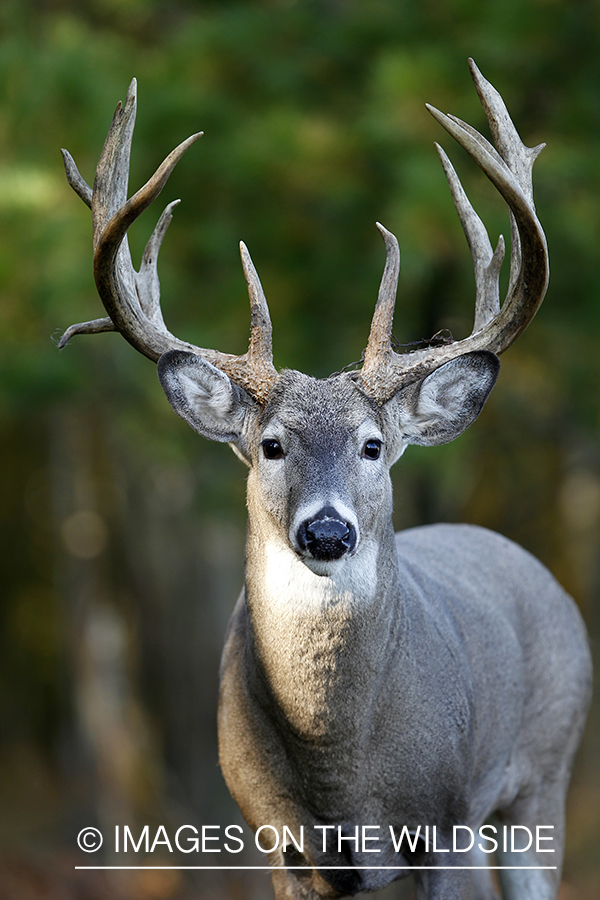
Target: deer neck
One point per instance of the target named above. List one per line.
(320, 641)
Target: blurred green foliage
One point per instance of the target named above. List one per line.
(315, 127)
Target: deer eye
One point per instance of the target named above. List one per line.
(372, 449)
(272, 449)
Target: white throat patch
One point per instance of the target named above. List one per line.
(289, 582)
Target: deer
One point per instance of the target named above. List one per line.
(431, 680)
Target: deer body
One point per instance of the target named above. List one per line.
(408, 685)
(440, 726)
(432, 679)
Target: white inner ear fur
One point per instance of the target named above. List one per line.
(212, 395)
(204, 396)
(444, 395)
(439, 408)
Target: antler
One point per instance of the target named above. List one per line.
(132, 299)
(509, 168)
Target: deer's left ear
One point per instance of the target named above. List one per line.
(205, 397)
(441, 406)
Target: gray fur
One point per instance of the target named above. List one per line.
(436, 677)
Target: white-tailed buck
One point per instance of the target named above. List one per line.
(440, 677)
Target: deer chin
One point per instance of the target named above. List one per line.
(325, 568)
(353, 575)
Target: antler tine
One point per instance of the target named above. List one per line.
(261, 330)
(79, 185)
(486, 263)
(148, 284)
(509, 168)
(379, 346)
(254, 371)
(132, 299)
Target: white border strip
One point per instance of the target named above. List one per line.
(306, 868)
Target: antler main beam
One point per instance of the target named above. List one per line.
(132, 299)
(509, 168)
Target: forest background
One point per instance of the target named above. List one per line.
(121, 531)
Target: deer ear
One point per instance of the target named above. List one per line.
(441, 406)
(204, 396)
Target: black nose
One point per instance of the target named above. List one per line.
(326, 536)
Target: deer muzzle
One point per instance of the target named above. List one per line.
(326, 536)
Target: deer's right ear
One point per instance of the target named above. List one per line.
(204, 396)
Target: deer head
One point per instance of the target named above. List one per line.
(425, 396)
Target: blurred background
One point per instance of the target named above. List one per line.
(122, 531)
